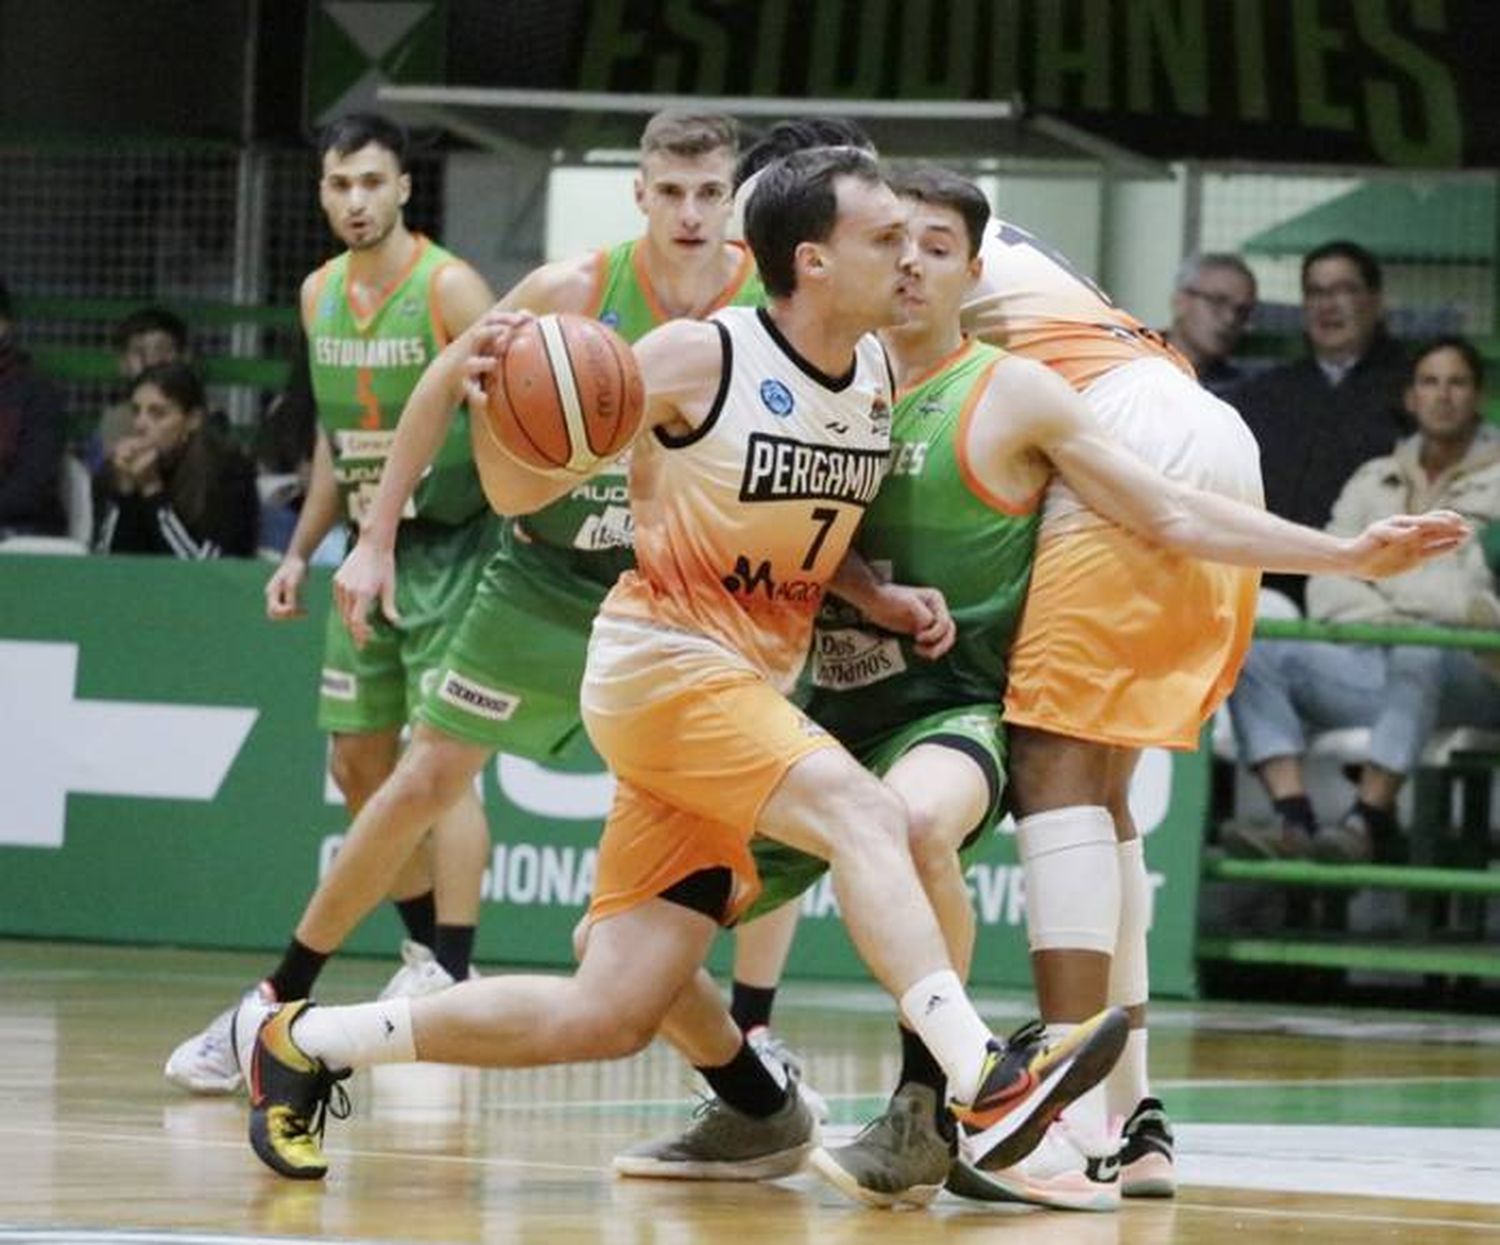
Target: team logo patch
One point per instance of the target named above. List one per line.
(610, 319)
(880, 413)
(776, 397)
(476, 698)
(339, 685)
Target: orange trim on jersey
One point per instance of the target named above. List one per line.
(363, 318)
(320, 280)
(743, 273)
(434, 312)
(927, 373)
(601, 275)
(966, 469)
(721, 299)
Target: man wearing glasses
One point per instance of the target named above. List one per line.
(1213, 300)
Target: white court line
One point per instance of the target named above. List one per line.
(1273, 1212)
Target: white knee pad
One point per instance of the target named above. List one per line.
(1072, 871)
(1129, 979)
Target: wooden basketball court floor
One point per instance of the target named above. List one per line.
(1292, 1126)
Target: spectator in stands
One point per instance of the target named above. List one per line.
(175, 485)
(144, 338)
(1319, 418)
(1401, 694)
(32, 433)
(1213, 299)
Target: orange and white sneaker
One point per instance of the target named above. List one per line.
(1059, 1174)
(1026, 1084)
(1146, 1159)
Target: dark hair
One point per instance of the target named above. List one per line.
(150, 320)
(943, 188)
(358, 130)
(798, 134)
(192, 473)
(1365, 261)
(796, 201)
(690, 134)
(1461, 345)
(5, 303)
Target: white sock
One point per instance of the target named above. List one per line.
(354, 1037)
(1127, 1082)
(938, 1010)
(1087, 1116)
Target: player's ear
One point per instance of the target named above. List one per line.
(403, 189)
(639, 186)
(810, 259)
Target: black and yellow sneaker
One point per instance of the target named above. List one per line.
(291, 1096)
(1026, 1084)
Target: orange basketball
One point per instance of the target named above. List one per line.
(566, 394)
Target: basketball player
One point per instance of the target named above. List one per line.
(374, 317)
(765, 435)
(509, 678)
(976, 436)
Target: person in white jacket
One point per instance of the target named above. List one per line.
(1402, 694)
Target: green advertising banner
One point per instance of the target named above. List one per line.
(162, 781)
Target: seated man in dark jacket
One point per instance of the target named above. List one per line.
(1319, 418)
(31, 441)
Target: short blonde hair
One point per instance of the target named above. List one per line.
(690, 134)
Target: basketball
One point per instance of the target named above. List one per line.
(566, 395)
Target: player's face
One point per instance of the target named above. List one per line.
(942, 271)
(159, 422)
(1443, 396)
(1210, 315)
(143, 350)
(362, 194)
(1340, 311)
(869, 256)
(686, 201)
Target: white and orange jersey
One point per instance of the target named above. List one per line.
(1032, 302)
(740, 524)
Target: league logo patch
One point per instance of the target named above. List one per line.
(776, 397)
(610, 318)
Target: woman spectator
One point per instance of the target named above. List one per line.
(174, 485)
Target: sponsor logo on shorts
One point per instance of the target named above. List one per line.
(612, 529)
(339, 685)
(776, 397)
(476, 698)
(848, 658)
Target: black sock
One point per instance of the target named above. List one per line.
(454, 945)
(1298, 810)
(751, 1005)
(299, 968)
(1381, 821)
(419, 915)
(918, 1067)
(747, 1085)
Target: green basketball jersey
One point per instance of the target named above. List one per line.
(365, 363)
(589, 531)
(927, 526)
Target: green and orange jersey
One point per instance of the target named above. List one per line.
(366, 358)
(933, 523)
(589, 531)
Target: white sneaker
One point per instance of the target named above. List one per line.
(785, 1064)
(419, 974)
(1060, 1173)
(207, 1063)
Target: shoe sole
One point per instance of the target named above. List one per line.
(969, 1182)
(266, 1153)
(1156, 1178)
(1021, 1129)
(768, 1167)
(1150, 1188)
(916, 1197)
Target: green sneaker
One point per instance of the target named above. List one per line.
(291, 1096)
(900, 1159)
(725, 1144)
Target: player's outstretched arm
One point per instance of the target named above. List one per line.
(921, 613)
(1028, 408)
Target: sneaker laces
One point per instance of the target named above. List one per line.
(331, 1099)
(1031, 1031)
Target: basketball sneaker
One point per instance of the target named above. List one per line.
(419, 974)
(786, 1066)
(725, 1144)
(291, 1096)
(207, 1062)
(1146, 1160)
(1026, 1084)
(901, 1158)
